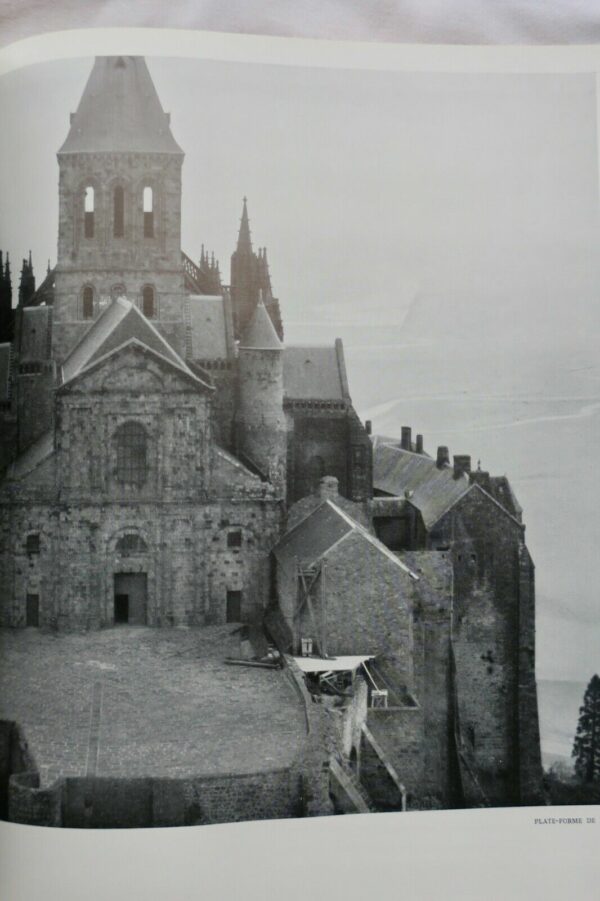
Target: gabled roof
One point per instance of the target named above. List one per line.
(315, 373)
(120, 111)
(260, 332)
(132, 344)
(119, 324)
(328, 525)
(432, 490)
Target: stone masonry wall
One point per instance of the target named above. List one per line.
(486, 638)
(104, 261)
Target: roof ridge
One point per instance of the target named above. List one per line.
(133, 341)
(358, 527)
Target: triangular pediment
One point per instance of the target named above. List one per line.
(115, 370)
(116, 326)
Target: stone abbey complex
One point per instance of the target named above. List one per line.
(193, 517)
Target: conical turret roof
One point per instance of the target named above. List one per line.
(120, 111)
(260, 333)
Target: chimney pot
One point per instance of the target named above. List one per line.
(406, 440)
(462, 463)
(368, 426)
(443, 456)
(328, 488)
(419, 447)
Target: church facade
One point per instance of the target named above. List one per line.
(160, 421)
(168, 460)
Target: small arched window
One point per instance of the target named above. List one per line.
(132, 448)
(148, 212)
(148, 304)
(119, 212)
(131, 543)
(89, 208)
(88, 302)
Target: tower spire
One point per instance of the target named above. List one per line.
(244, 241)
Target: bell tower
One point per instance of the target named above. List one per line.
(119, 230)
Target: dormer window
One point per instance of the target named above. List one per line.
(148, 212)
(88, 206)
(148, 303)
(118, 212)
(87, 302)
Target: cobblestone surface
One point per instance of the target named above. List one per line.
(165, 703)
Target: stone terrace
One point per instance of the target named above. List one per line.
(134, 701)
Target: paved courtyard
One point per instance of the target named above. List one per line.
(134, 701)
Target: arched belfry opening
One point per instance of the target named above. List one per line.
(89, 209)
(119, 211)
(148, 203)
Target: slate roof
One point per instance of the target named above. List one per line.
(35, 333)
(118, 324)
(4, 371)
(260, 332)
(315, 373)
(318, 532)
(433, 491)
(120, 111)
(209, 328)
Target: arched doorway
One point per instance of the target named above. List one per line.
(130, 580)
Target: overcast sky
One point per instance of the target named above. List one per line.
(468, 201)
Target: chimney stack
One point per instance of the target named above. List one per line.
(328, 488)
(419, 447)
(462, 463)
(406, 440)
(368, 426)
(443, 457)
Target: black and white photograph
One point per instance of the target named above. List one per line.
(299, 396)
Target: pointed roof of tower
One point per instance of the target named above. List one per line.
(260, 333)
(244, 241)
(120, 111)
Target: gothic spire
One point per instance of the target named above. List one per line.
(244, 242)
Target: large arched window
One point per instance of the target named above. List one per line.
(148, 304)
(148, 201)
(88, 208)
(132, 454)
(119, 212)
(87, 302)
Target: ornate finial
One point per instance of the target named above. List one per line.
(479, 466)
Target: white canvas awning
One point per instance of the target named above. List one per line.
(330, 664)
